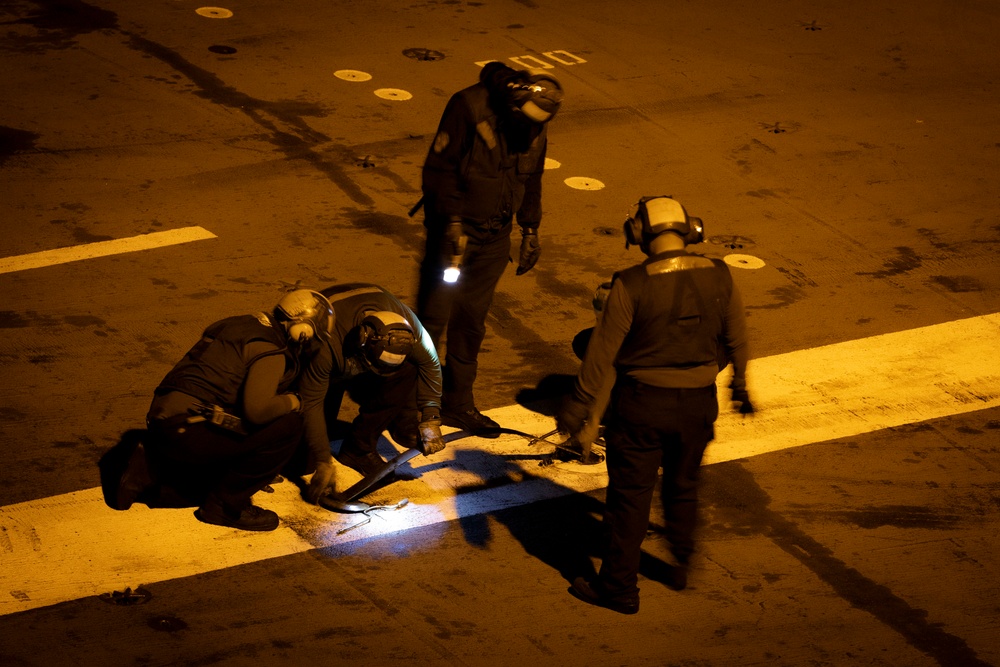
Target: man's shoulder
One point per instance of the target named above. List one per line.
(476, 91)
(239, 325)
(630, 273)
(351, 301)
(351, 294)
(674, 262)
(475, 99)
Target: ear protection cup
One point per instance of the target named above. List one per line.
(697, 232)
(633, 232)
(301, 331)
(306, 315)
(365, 333)
(544, 98)
(537, 97)
(658, 214)
(385, 339)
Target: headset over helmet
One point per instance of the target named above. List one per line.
(536, 96)
(386, 340)
(305, 315)
(533, 96)
(658, 214)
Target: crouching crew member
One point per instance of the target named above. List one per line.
(669, 326)
(385, 359)
(223, 422)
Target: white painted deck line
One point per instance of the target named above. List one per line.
(38, 260)
(72, 546)
(864, 385)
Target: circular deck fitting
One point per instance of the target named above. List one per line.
(214, 12)
(423, 54)
(744, 261)
(352, 75)
(394, 94)
(583, 183)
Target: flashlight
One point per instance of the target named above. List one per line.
(454, 269)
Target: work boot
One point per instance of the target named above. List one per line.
(250, 517)
(678, 580)
(473, 421)
(135, 479)
(592, 594)
(677, 577)
(365, 464)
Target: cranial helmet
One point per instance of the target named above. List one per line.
(537, 97)
(533, 96)
(658, 214)
(385, 339)
(305, 315)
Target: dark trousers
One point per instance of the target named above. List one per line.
(459, 310)
(650, 427)
(383, 401)
(204, 462)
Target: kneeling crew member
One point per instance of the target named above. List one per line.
(382, 356)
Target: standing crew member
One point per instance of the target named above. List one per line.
(223, 421)
(669, 326)
(384, 357)
(483, 170)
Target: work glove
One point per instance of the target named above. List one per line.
(454, 237)
(531, 250)
(572, 416)
(431, 440)
(601, 295)
(325, 476)
(741, 397)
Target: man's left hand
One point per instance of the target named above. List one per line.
(531, 250)
(742, 404)
(324, 477)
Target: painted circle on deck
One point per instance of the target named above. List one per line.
(744, 261)
(394, 94)
(352, 75)
(214, 12)
(552, 164)
(583, 183)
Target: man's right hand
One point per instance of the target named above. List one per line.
(454, 237)
(572, 416)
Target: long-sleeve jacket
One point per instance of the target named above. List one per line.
(332, 362)
(675, 320)
(483, 167)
